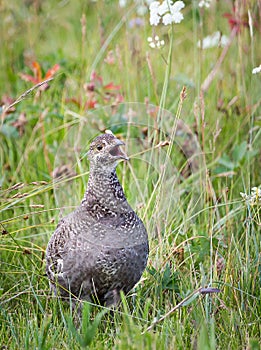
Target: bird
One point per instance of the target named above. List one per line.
(101, 248)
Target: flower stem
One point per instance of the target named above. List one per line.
(166, 80)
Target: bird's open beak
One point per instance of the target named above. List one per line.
(116, 151)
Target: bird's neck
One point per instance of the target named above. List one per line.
(104, 189)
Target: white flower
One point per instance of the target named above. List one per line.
(154, 6)
(204, 3)
(224, 40)
(254, 198)
(122, 3)
(256, 70)
(154, 17)
(213, 40)
(154, 20)
(156, 42)
(163, 8)
(176, 15)
(243, 195)
(167, 11)
(178, 5)
(166, 19)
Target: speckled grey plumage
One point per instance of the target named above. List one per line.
(102, 247)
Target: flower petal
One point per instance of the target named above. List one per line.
(177, 6)
(167, 19)
(154, 19)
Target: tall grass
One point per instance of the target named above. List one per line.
(190, 160)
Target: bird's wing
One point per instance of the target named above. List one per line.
(56, 250)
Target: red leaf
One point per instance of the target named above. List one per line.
(28, 77)
(91, 104)
(50, 73)
(235, 21)
(112, 87)
(37, 71)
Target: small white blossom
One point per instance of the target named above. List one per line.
(154, 17)
(156, 42)
(213, 40)
(167, 11)
(166, 19)
(204, 3)
(122, 3)
(256, 70)
(163, 8)
(154, 6)
(254, 198)
(175, 11)
(243, 195)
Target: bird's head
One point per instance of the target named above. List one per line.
(105, 152)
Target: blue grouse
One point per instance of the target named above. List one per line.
(101, 248)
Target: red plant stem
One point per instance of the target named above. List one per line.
(213, 73)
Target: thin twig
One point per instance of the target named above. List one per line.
(15, 296)
(23, 96)
(200, 290)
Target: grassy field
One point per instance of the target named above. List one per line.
(190, 117)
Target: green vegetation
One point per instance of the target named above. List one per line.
(189, 162)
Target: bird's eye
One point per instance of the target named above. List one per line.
(99, 147)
